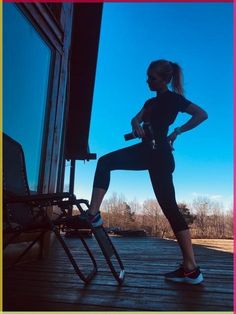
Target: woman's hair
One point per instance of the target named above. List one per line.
(170, 72)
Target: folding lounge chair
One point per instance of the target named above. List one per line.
(26, 213)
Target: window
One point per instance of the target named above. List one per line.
(26, 67)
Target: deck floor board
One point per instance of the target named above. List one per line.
(52, 285)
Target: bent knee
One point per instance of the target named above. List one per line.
(103, 161)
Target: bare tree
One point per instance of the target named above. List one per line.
(112, 209)
(154, 219)
(128, 217)
(207, 218)
(211, 220)
(201, 208)
(138, 217)
(229, 224)
(186, 212)
(117, 213)
(217, 225)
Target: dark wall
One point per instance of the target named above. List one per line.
(84, 51)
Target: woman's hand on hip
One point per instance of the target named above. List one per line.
(171, 138)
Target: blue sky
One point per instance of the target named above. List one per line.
(199, 36)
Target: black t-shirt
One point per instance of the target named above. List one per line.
(161, 111)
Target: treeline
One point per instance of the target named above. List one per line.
(206, 218)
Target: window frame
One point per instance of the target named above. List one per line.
(58, 37)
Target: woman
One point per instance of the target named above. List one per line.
(154, 154)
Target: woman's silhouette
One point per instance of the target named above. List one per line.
(154, 154)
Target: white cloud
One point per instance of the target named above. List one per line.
(210, 196)
(216, 197)
(225, 200)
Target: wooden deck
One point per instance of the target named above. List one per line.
(52, 285)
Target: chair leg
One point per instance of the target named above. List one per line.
(119, 278)
(26, 250)
(41, 244)
(84, 278)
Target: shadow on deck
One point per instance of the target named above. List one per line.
(52, 285)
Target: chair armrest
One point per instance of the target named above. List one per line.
(37, 198)
(51, 196)
(44, 199)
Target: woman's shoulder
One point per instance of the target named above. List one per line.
(149, 102)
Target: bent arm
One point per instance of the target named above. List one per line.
(198, 116)
(135, 122)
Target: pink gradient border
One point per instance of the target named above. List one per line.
(234, 83)
(234, 202)
(92, 1)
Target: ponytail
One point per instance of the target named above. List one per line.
(177, 78)
(170, 72)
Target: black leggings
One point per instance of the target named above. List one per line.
(160, 164)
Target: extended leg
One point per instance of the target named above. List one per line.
(185, 243)
(162, 181)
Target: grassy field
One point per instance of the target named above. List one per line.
(223, 245)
